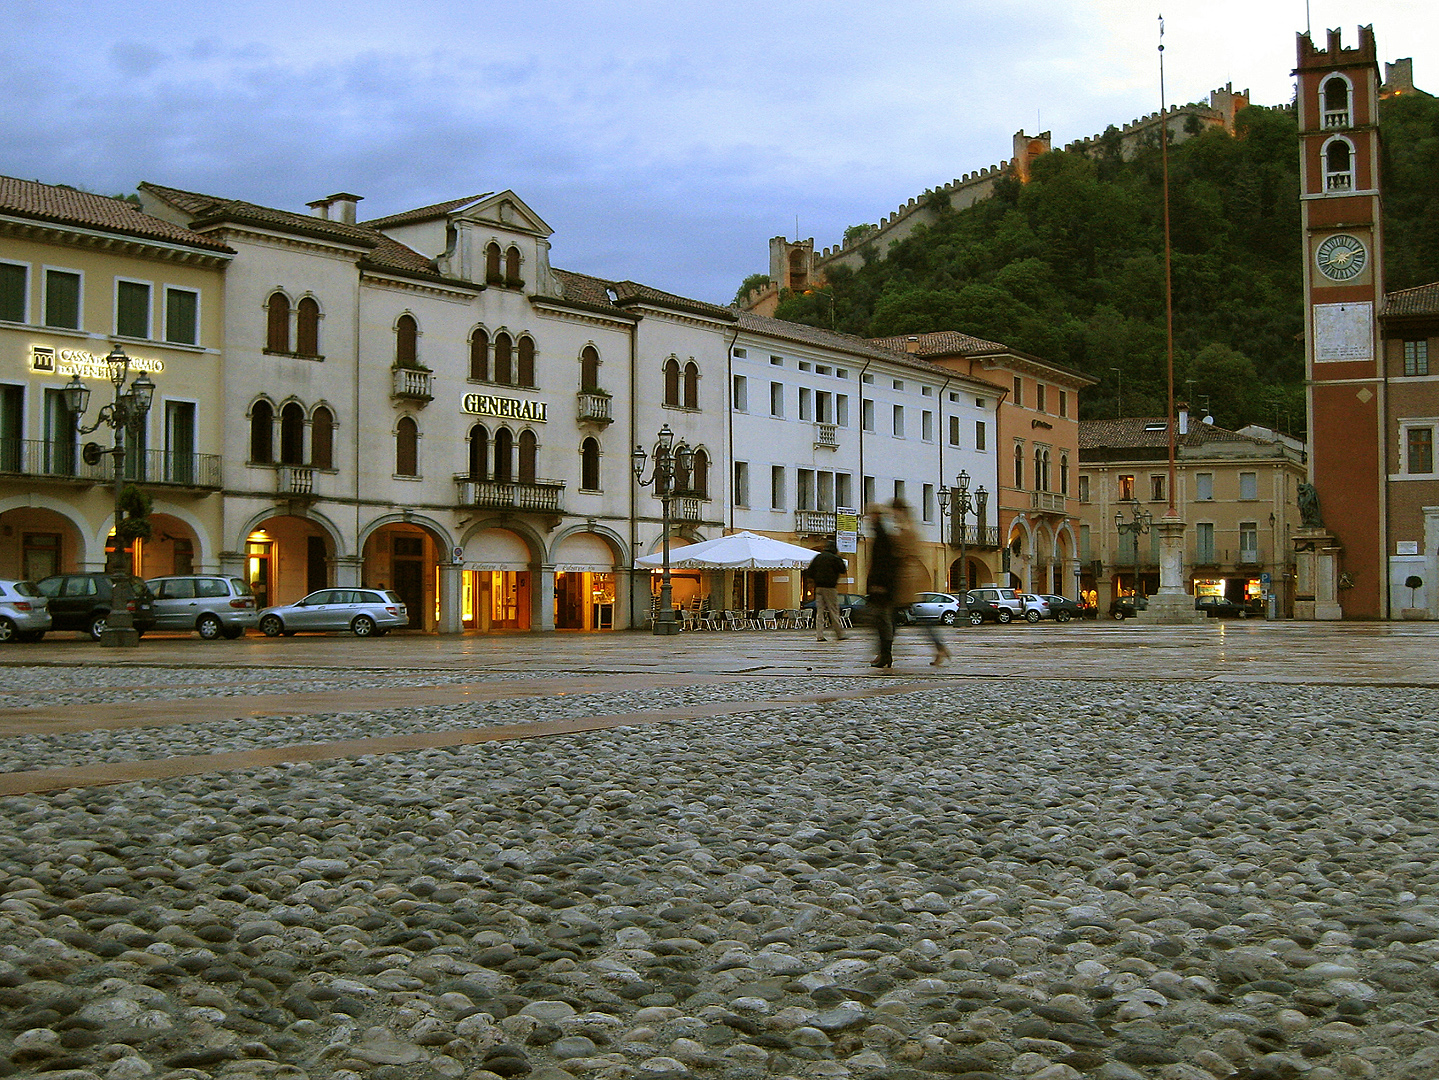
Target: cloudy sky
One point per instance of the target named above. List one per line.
(664, 142)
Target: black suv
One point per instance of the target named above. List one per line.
(82, 602)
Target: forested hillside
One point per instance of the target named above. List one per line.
(1070, 266)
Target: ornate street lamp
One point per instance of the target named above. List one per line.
(1139, 523)
(956, 500)
(670, 461)
(125, 413)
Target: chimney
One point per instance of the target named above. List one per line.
(343, 204)
(1183, 418)
(911, 345)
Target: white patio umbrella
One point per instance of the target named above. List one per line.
(738, 551)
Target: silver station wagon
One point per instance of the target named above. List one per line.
(210, 604)
(363, 612)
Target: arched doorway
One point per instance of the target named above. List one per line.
(496, 589)
(173, 548)
(287, 558)
(584, 583)
(405, 558)
(36, 542)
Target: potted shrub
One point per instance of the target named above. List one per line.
(1413, 583)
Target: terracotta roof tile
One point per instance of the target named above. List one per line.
(1420, 300)
(423, 213)
(942, 343)
(66, 206)
(1134, 432)
(208, 209)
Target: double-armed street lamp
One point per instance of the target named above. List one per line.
(1140, 521)
(126, 413)
(671, 461)
(957, 500)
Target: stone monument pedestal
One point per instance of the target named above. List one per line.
(1171, 605)
(1317, 554)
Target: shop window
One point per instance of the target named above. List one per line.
(672, 381)
(480, 355)
(1419, 450)
(182, 316)
(529, 457)
(590, 464)
(307, 327)
(504, 359)
(62, 299)
(292, 434)
(589, 369)
(14, 291)
(407, 336)
(322, 438)
(692, 385)
(1416, 357)
(407, 447)
(526, 366)
(262, 432)
(277, 323)
(132, 309)
(504, 455)
(479, 453)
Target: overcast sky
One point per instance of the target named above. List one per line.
(664, 142)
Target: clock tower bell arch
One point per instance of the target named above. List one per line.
(1345, 559)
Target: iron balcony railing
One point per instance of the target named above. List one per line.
(533, 496)
(43, 458)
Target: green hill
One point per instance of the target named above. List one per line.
(1070, 266)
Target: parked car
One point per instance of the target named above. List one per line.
(1126, 606)
(363, 612)
(980, 610)
(82, 602)
(853, 603)
(1007, 601)
(1035, 607)
(1063, 609)
(933, 607)
(211, 604)
(24, 612)
(1220, 607)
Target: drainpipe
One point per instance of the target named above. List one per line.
(729, 423)
(634, 329)
(359, 550)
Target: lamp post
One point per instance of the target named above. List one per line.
(670, 461)
(125, 413)
(1139, 523)
(957, 501)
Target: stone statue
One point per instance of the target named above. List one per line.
(1309, 507)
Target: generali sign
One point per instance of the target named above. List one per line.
(506, 408)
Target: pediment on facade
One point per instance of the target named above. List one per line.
(506, 211)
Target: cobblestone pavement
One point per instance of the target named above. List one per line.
(1094, 850)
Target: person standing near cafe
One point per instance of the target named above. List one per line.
(825, 570)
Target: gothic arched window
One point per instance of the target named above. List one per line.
(277, 326)
(407, 447)
(322, 438)
(529, 457)
(590, 464)
(307, 327)
(292, 434)
(480, 355)
(692, 385)
(262, 432)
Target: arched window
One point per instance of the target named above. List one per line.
(262, 432)
(480, 355)
(504, 455)
(525, 374)
(1334, 99)
(529, 456)
(672, 382)
(292, 434)
(479, 453)
(504, 364)
(589, 368)
(692, 385)
(406, 341)
(1338, 165)
(1019, 465)
(307, 327)
(322, 438)
(512, 266)
(492, 263)
(700, 474)
(590, 465)
(407, 447)
(798, 271)
(1064, 474)
(277, 333)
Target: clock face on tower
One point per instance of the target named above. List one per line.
(1341, 257)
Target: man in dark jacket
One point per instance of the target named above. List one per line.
(825, 570)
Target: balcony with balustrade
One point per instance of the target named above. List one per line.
(522, 496)
(1046, 501)
(412, 385)
(826, 437)
(814, 522)
(593, 407)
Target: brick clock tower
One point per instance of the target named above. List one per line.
(1342, 563)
